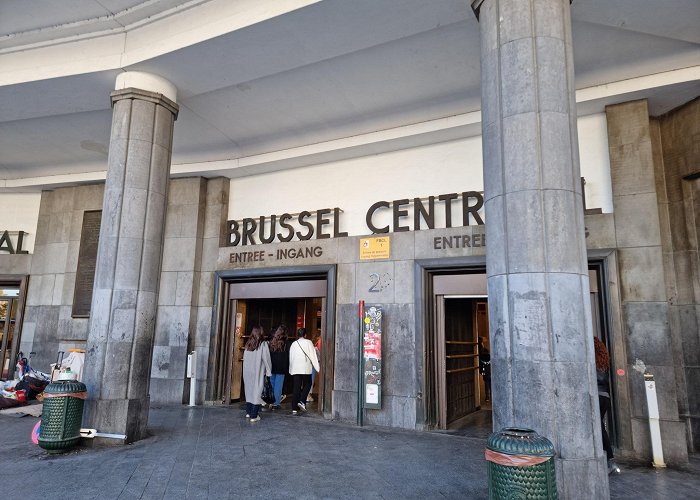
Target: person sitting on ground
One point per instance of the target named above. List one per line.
(279, 354)
(302, 359)
(256, 364)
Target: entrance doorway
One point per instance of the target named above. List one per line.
(458, 351)
(460, 337)
(462, 342)
(293, 313)
(271, 301)
(12, 293)
(600, 321)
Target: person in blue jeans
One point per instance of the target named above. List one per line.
(279, 354)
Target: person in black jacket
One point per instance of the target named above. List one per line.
(485, 368)
(279, 353)
(602, 367)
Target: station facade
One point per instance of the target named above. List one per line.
(310, 162)
(641, 218)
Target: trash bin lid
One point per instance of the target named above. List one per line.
(520, 441)
(65, 387)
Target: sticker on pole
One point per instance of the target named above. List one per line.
(372, 356)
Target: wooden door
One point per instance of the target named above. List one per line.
(457, 364)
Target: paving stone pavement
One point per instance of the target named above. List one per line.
(214, 452)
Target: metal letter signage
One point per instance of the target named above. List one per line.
(325, 223)
(6, 243)
(372, 356)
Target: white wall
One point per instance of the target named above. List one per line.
(595, 161)
(20, 212)
(353, 185)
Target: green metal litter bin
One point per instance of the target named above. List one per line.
(520, 465)
(62, 415)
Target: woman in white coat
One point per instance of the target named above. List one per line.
(302, 359)
(256, 365)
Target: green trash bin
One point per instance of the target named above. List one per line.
(520, 465)
(62, 415)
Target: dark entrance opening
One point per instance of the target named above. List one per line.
(270, 313)
(295, 298)
(462, 353)
(12, 295)
(597, 275)
(459, 359)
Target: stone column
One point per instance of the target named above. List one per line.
(122, 318)
(540, 320)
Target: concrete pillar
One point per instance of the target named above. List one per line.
(540, 320)
(122, 318)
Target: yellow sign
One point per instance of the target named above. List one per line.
(375, 248)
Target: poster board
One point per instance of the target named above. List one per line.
(372, 356)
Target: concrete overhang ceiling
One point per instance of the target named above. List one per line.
(258, 78)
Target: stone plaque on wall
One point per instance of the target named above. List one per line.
(87, 258)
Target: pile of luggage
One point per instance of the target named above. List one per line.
(28, 385)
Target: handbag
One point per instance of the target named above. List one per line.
(268, 393)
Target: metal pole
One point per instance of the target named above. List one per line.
(654, 429)
(360, 366)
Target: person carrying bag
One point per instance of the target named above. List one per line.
(302, 360)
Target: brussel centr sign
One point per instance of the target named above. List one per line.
(325, 223)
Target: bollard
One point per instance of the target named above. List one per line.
(654, 429)
(192, 374)
(520, 465)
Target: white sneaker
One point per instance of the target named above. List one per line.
(247, 416)
(310, 399)
(283, 397)
(294, 412)
(301, 406)
(256, 419)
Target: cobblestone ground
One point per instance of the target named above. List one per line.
(214, 452)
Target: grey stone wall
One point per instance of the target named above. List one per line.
(14, 264)
(399, 378)
(196, 213)
(643, 291)
(48, 326)
(677, 156)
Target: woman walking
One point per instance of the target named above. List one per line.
(256, 364)
(279, 354)
(302, 359)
